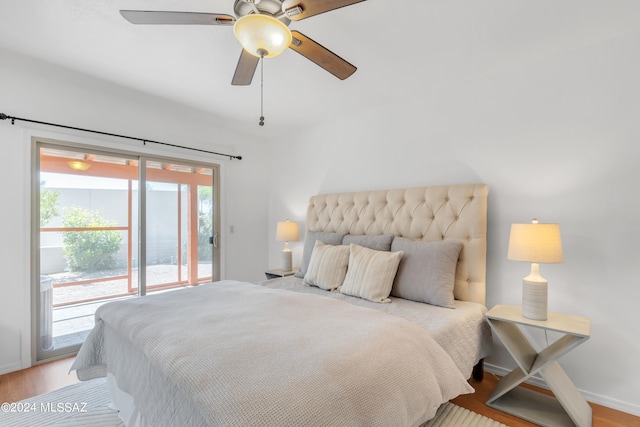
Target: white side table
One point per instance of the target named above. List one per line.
(274, 274)
(568, 408)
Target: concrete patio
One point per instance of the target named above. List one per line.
(73, 316)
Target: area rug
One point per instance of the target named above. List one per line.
(87, 404)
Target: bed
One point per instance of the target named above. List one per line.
(301, 350)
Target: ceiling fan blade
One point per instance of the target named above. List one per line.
(245, 69)
(176, 18)
(321, 56)
(301, 9)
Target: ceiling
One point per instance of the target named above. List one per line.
(400, 49)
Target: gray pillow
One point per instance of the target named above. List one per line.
(381, 242)
(310, 241)
(427, 270)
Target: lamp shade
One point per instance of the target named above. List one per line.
(538, 243)
(287, 231)
(262, 35)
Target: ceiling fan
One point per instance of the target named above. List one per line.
(258, 22)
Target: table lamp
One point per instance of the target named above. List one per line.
(287, 231)
(535, 243)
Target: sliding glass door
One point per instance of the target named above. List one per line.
(112, 225)
(179, 234)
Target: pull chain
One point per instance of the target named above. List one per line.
(262, 53)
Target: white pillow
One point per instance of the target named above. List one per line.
(371, 273)
(327, 266)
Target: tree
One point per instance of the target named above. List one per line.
(205, 224)
(48, 202)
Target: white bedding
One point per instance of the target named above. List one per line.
(461, 332)
(237, 354)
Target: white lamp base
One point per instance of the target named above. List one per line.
(534, 295)
(534, 300)
(286, 260)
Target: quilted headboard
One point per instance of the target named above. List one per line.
(435, 213)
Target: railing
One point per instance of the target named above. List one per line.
(131, 289)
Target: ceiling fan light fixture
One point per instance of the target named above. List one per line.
(258, 33)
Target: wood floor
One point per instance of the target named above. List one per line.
(602, 416)
(51, 376)
(40, 379)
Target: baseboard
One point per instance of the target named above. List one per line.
(618, 405)
(12, 367)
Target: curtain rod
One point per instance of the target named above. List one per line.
(144, 141)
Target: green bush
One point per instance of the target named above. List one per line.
(205, 226)
(48, 202)
(89, 250)
(204, 232)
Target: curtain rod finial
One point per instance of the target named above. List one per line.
(3, 116)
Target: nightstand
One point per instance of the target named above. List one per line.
(568, 407)
(274, 274)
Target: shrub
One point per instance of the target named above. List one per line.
(48, 202)
(205, 226)
(89, 250)
(204, 233)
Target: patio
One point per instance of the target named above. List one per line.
(74, 305)
(72, 324)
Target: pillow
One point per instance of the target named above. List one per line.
(309, 242)
(370, 274)
(427, 271)
(328, 266)
(380, 242)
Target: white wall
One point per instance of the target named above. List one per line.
(554, 138)
(36, 90)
